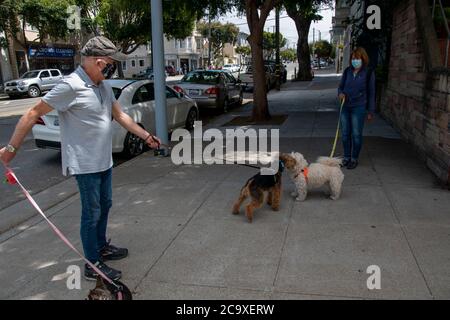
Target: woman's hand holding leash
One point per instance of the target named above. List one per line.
(370, 116)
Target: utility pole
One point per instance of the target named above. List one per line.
(277, 44)
(209, 36)
(159, 73)
(314, 44)
(320, 39)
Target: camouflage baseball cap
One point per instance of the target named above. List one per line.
(102, 47)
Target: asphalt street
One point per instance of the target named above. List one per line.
(40, 169)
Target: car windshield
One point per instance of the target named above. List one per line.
(30, 74)
(206, 77)
(117, 92)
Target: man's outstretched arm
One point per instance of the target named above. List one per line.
(23, 127)
(125, 121)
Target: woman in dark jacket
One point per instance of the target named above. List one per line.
(357, 87)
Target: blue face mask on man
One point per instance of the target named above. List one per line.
(356, 63)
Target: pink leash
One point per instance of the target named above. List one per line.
(11, 178)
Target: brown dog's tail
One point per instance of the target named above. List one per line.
(331, 162)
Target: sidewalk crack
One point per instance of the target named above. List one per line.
(283, 246)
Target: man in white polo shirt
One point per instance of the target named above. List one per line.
(86, 106)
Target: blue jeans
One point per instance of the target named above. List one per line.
(352, 124)
(96, 200)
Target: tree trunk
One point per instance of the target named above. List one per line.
(25, 46)
(260, 104)
(256, 18)
(303, 54)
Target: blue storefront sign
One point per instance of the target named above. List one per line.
(51, 52)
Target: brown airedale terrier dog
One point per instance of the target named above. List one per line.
(255, 188)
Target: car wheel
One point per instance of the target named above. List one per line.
(191, 118)
(34, 92)
(133, 145)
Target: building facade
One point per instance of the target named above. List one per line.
(347, 16)
(417, 97)
(137, 61)
(186, 54)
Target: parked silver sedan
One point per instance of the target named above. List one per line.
(137, 100)
(216, 89)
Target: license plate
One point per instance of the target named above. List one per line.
(194, 92)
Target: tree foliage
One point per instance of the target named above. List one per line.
(304, 12)
(128, 22)
(244, 50)
(269, 43)
(323, 49)
(220, 35)
(48, 17)
(288, 54)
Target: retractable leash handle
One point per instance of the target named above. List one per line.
(159, 151)
(12, 179)
(338, 129)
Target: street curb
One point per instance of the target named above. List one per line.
(22, 211)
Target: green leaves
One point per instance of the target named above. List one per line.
(288, 54)
(128, 22)
(49, 17)
(323, 48)
(220, 34)
(244, 50)
(269, 41)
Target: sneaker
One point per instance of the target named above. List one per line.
(110, 252)
(352, 165)
(91, 275)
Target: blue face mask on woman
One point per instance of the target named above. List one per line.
(357, 63)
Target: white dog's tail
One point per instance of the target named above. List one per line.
(331, 162)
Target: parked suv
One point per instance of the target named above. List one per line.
(247, 78)
(33, 83)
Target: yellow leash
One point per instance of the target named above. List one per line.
(337, 130)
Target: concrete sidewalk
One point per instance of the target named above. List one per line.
(185, 243)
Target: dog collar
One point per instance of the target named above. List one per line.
(305, 173)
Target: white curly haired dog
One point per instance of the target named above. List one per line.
(305, 176)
